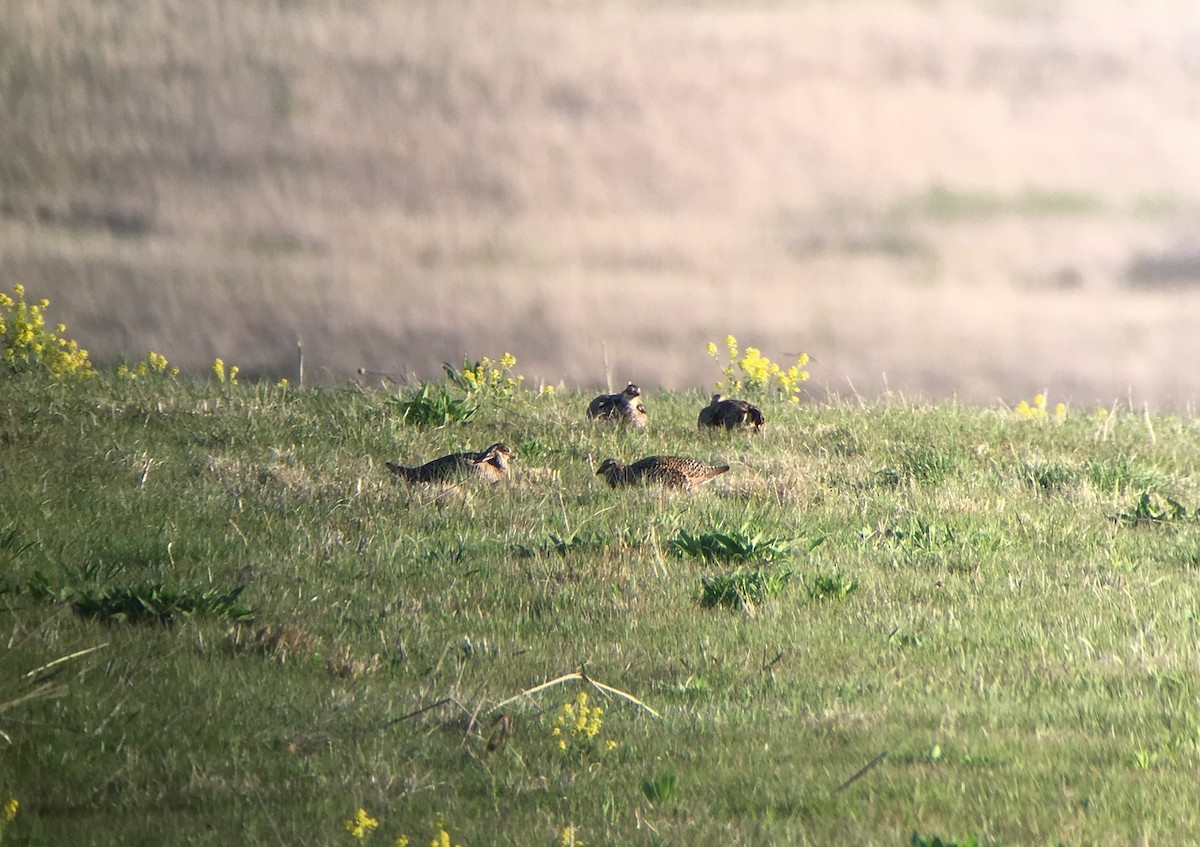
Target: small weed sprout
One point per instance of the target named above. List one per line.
(659, 789)
(750, 372)
(485, 378)
(831, 587)
(1036, 410)
(577, 728)
(224, 376)
(29, 346)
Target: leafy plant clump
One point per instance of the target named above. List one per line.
(157, 603)
(659, 789)
(153, 603)
(1148, 511)
(742, 588)
(29, 346)
(831, 587)
(735, 546)
(433, 405)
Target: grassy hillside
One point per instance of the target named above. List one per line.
(225, 622)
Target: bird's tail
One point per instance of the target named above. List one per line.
(399, 470)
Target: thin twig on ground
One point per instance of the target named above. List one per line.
(580, 675)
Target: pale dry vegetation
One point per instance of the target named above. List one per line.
(978, 198)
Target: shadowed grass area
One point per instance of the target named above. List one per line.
(1006, 607)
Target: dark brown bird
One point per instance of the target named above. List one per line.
(490, 465)
(671, 471)
(730, 414)
(623, 408)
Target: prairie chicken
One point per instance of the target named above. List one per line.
(490, 465)
(623, 408)
(730, 414)
(671, 471)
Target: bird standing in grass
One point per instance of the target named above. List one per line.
(490, 465)
(723, 411)
(671, 471)
(625, 407)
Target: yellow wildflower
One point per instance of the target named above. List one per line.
(442, 840)
(361, 825)
(10, 810)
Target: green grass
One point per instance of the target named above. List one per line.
(941, 203)
(991, 601)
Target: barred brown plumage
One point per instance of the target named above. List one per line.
(623, 408)
(671, 471)
(490, 465)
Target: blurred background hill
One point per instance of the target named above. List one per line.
(971, 198)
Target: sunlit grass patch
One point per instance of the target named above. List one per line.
(390, 623)
(923, 465)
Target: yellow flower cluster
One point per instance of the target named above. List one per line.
(578, 725)
(752, 372)
(1037, 410)
(443, 838)
(360, 825)
(494, 379)
(223, 376)
(568, 838)
(154, 363)
(8, 813)
(28, 344)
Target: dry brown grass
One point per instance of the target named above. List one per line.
(400, 184)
